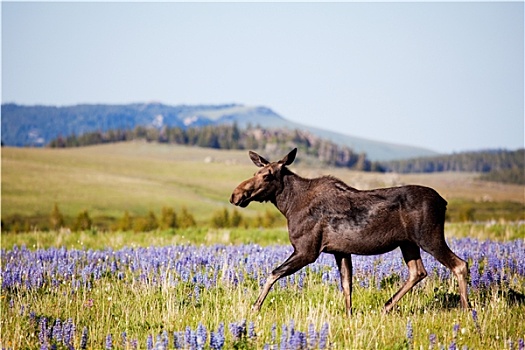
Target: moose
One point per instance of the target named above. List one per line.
(326, 215)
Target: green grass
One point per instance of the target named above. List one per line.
(203, 235)
(112, 306)
(107, 180)
(137, 177)
(117, 240)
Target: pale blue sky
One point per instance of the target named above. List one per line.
(446, 76)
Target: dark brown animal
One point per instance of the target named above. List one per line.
(326, 215)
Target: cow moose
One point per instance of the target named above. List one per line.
(326, 215)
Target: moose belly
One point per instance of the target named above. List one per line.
(359, 242)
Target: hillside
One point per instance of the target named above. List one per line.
(38, 125)
(138, 177)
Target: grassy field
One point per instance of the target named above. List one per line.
(193, 288)
(95, 290)
(139, 177)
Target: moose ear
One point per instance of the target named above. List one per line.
(257, 159)
(289, 158)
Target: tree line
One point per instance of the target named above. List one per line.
(495, 165)
(231, 137)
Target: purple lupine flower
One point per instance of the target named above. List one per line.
(159, 343)
(300, 284)
(178, 340)
(109, 342)
(68, 333)
(202, 336)
(165, 339)
(197, 293)
(238, 330)
(190, 338)
(297, 340)
(124, 338)
(521, 344)
(187, 336)
(274, 333)
(42, 335)
(432, 338)
(57, 331)
(312, 336)
(149, 342)
(323, 336)
(475, 318)
(474, 274)
(284, 337)
(217, 338)
(410, 334)
(291, 328)
(84, 339)
(251, 330)
(455, 329)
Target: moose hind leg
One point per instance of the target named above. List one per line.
(458, 267)
(416, 273)
(344, 263)
(293, 264)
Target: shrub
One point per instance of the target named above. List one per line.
(145, 224)
(125, 223)
(236, 219)
(168, 219)
(83, 221)
(185, 219)
(56, 219)
(220, 219)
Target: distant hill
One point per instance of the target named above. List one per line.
(38, 125)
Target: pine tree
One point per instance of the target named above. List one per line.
(125, 223)
(185, 219)
(56, 218)
(83, 221)
(168, 219)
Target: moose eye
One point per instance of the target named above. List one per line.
(267, 175)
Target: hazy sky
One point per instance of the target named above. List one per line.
(446, 76)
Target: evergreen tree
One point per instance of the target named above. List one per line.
(236, 218)
(220, 219)
(125, 223)
(56, 219)
(185, 219)
(168, 219)
(83, 221)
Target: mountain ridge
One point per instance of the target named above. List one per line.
(37, 125)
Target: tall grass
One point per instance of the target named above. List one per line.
(149, 288)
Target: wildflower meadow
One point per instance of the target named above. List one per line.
(189, 296)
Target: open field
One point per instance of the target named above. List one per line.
(95, 290)
(193, 288)
(138, 177)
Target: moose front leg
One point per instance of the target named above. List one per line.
(294, 263)
(344, 263)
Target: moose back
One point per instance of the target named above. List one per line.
(326, 215)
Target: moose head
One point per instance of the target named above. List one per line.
(265, 183)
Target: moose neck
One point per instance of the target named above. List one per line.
(293, 188)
